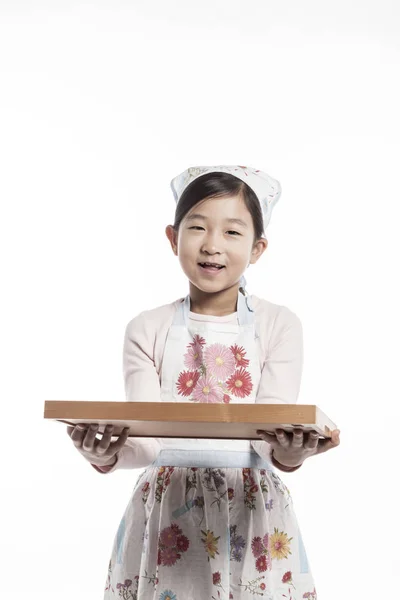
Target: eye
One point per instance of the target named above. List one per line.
(198, 227)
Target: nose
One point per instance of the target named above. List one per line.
(211, 245)
(210, 249)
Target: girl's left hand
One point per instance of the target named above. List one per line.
(291, 450)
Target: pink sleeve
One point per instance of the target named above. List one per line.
(283, 366)
(136, 453)
(140, 374)
(282, 370)
(141, 385)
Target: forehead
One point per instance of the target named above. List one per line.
(231, 209)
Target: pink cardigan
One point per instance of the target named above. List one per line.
(281, 364)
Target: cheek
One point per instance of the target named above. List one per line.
(186, 254)
(240, 254)
(188, 245)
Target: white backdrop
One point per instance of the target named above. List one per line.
(102, 103)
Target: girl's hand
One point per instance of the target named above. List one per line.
(97, 452)
(291, 450)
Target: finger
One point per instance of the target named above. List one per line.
(282, 438)
(104, 443)
(298, 438)
(268, 437)
(78, 434)
(312, 440)
(117, 445)
(329, 443)
(336, 435)
(88, 442)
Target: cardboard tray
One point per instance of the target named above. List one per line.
(191, 420)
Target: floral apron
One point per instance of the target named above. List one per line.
(207, 524)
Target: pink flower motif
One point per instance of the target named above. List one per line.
(168, 537)
(227, 398)
(193, 357)
(265, 540)
(239, 354)
(176, 527)
(169, 556)
(257, 546)
(198, 341)
(287, 578)
(261, 563)
(240, 383)
(197, 345)
(186, 382)
(216, 578)
(207, 390)
(182, 543)
(219, 361)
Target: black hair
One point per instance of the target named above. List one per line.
(217, 185)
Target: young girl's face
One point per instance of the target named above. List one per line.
(216, 230)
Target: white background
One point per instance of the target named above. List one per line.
(102, 103)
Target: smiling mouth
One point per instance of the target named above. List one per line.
(214, 267)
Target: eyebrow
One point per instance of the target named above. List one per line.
(232, 220)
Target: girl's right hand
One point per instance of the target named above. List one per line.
(98, 452)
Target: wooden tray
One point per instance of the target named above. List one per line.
(189, 420)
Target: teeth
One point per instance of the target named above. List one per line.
(210, 265)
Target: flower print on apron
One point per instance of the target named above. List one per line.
(211, 362)
(205, 523)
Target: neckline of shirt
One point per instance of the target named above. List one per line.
(223, 319)
(232, 317)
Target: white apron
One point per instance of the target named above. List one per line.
(209, 519)
(211, 362)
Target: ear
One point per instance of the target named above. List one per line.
(259, 248)
(173, 238)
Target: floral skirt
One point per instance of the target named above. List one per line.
(197, 532)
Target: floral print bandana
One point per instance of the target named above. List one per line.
(267, 189)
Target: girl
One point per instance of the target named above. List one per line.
(211, 519)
